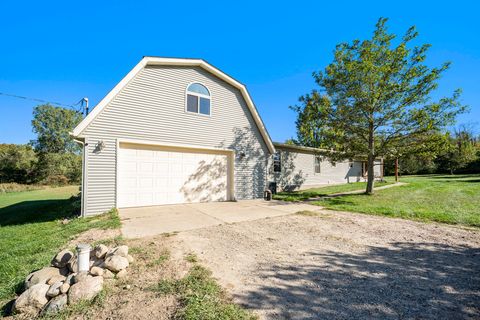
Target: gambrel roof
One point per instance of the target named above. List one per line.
(177, 62)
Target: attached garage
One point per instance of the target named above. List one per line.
(172, 131)
(151, 175)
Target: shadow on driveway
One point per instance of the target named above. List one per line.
(404, 281)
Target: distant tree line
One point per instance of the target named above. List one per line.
(456, 151)
(52, 158)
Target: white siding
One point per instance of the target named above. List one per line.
(152, 107)
(298, 171)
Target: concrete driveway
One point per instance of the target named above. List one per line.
(149, 221)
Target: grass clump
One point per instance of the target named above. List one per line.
(162, 258)
(201, 297)
(83, 308)
(191, 257)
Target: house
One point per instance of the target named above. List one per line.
(178, 131)
(297, 167)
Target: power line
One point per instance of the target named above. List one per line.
(73, 106)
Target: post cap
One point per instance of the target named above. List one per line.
(83, 247)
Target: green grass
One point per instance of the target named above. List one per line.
(191, 257)
(200, 297)
(31, 231)
(162, 258)
(442, 198)
(324, 191)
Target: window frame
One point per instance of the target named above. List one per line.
(319, 158)
(279, 154)
(198, 95)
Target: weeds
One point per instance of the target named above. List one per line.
(201, 297)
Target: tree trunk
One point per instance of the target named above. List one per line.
(370, 162)
(396, 169)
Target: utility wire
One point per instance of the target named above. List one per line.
(73, 106)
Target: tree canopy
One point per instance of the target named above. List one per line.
(375, 100)
(52, 126)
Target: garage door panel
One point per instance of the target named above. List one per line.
(155, 177)
(130, 166)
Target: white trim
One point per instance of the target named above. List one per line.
(173, 145)
(109, 97)
(178, 62)
(229, 153)
(85, 178)
(198, 95)
(117, 148)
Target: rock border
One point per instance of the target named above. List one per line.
(52, 288)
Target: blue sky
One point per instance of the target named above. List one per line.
(65, 50)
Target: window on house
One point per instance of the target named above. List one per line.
(198, 99)
(318, 161)
(277, 162)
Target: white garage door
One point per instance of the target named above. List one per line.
(154, 176)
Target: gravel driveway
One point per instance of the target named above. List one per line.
(343, 266)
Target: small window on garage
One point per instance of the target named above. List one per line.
(318, 162)
(198, 99)
(277, 162)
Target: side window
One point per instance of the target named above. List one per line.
(198, 99)
(277, 162)
(318, 162)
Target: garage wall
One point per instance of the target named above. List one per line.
(152, 107)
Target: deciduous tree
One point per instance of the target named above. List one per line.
(52, 126)
(374, 100)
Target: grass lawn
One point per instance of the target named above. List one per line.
(31, 231)
(325, 191)
(449, 199)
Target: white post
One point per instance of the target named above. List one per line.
(83, 257)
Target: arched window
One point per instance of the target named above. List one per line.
(198, 99)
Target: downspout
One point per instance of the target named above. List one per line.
(82, 195)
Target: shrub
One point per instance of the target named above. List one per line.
(17, 163)
(59, 168)
(17, 187)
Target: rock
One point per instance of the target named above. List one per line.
(96, 271)
(64, 288)
(116, 263)
(54, 289)
(70, 279)
(56, 279)
(86, 289)
(42, 276)
(130, 259)
(72, 265)
(62, 258)
(99, 263)
(107, 274)
(81, 276)
(100, 251)
(127, 287)
(32, 300)
(122, 274)
(121, 251)
(56, 304)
